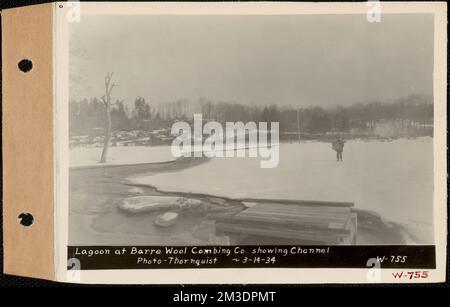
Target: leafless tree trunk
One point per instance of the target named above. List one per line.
(108, 125)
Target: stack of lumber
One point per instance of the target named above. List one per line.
(304, 222)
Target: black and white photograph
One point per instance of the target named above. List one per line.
(354, 103)
(251, 130)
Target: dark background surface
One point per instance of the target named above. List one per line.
(284, 294)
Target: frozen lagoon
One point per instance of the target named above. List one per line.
(392, 178)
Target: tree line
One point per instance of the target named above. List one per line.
(88, 115)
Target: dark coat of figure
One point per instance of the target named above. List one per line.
(338, 146)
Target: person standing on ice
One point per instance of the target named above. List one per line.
(338, 146)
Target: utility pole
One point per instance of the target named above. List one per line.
(298, 124)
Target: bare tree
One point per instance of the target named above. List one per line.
(108, 124)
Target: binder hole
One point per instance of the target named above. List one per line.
(25, 65)
(26, 219)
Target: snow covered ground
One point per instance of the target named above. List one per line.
(394, 179)
(120, 155)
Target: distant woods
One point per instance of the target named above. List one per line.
(413, 113)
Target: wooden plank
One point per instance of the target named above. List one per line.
(294, 207)
(289, 234)
(299, 202)
(293, 210)
(326, 225)
(334, 232)
(303, 218)
(284, 219)
(299, 213)
(295, 225)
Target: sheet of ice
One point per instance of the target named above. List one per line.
(120, 155)
(394, 179)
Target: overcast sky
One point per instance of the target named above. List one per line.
(288, 60)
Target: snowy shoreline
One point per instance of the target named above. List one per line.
(119, 156)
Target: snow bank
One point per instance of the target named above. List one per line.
(120, 155)
(394, 179)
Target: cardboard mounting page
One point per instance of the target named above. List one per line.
(27, 127)
(102, 243)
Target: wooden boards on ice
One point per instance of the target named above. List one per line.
(302, 222)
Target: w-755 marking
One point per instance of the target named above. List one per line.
(392, 259)
(411, 274)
